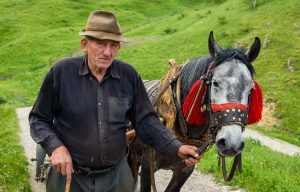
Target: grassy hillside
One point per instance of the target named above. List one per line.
(232, 22)
(35, 33)
(263, 170)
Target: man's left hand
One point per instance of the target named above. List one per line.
(188, 154)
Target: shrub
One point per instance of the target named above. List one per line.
(181, 16)
(169, 30)
(222, 20)
(216, 1)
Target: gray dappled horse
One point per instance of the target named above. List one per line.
(227, 78)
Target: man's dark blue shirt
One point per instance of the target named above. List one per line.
(90, 117)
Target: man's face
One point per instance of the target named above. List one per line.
(100, 52)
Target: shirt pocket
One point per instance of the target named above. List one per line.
(118, 108)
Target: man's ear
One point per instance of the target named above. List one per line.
(83, 44)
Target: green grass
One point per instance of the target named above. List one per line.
(14, 175)
(262, 169)
(35, 33)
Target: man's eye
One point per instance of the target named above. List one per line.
(99, 43)
(115, 44)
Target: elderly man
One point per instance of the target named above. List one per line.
(83, 108)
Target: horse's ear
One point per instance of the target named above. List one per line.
(253, 52)
(213, 47)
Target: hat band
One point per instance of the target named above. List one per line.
(103, 30)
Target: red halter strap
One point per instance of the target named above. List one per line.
(222, 107)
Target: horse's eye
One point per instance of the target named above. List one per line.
(216, 84)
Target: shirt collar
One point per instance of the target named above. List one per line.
(84, 70)
(113, 70)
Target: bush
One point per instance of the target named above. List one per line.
(181, 16)
(216, 1)
(245, 29)
(169, 30)
(222, 20)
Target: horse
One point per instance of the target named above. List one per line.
(218, 97)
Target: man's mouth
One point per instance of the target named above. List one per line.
(106, 59)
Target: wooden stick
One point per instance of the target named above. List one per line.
(68, 183)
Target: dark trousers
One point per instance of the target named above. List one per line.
(118, 179)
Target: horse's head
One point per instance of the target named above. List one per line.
(231, 82)
(222, 86)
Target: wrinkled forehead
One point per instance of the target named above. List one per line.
(231, 68)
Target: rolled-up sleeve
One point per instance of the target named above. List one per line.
(42, 115)
(148, 126)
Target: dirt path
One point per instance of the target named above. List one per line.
(273, 143)
(198, 182)
(29, 147)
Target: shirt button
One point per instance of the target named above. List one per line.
(99, 103)
(100, 122)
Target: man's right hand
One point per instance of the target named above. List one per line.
(61, 161)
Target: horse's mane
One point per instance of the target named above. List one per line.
(191, 72)
(195, 68)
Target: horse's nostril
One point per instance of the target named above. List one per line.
(241, 147)
(221, 144)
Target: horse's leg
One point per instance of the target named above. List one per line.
(145, 174)
(134, 165)
(134, 158)
(180, 175)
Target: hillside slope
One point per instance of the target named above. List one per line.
(232, 22)
(36, 33)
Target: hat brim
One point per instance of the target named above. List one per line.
(103, 35)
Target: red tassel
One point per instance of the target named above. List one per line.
(256, 105)
(196, 117)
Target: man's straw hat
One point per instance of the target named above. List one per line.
(103, 25)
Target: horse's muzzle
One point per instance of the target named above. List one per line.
(225, 149)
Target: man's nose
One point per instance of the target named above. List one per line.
(107, 49)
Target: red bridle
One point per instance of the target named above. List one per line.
(222, 107)
(197, 117)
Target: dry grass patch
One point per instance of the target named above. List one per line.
(268, 118)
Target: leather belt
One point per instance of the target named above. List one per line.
(90, 172)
